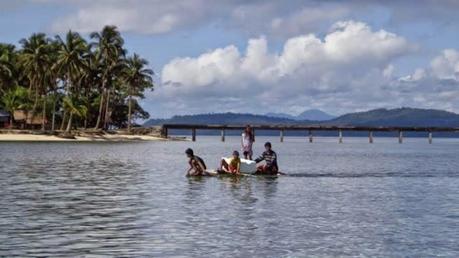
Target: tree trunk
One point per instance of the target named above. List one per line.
(11, 121)
(106, 110)
(101, 106)
(85, 124)
(63, 121)
(129, 113)
(69, 125)
(43, 114)
(35, 104)
(54, 114)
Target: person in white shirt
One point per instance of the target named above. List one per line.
(247, 142)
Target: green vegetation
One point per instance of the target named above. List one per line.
(74, 82)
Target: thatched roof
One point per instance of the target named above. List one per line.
(20, 115)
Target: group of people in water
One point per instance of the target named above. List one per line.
(233, 166)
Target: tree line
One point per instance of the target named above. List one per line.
(69, 82)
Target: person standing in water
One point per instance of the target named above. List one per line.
(247, 142)
(197, 165)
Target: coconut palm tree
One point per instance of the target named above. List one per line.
(35, 59)
(74, 107)
(70, 59)
(97, 75)
(109, 51)
(70, 63)
(90, 82)
(55, 80)
(137, 78)
(8, 69)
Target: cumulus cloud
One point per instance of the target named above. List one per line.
(350, 65)
(275, 18)
(350, 44)
(446, 65)
(158, 16)
(434, 86)
(443, 67)
(269, 17)
(142, 16)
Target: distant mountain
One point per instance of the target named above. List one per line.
(312, 115)
(399, 117)
(223, 118)
(281, 115)
(315, 115)
(377, 117)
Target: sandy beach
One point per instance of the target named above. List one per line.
(16, 137)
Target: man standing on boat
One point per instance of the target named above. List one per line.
(270, 158)
(197, 165)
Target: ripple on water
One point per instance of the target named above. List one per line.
(352, 199)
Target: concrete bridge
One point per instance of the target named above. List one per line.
(307, 128)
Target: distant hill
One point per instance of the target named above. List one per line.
(281, 115)
(312, 115)
(399, 117)
(315, 115)
(377, 117)
(223, 118)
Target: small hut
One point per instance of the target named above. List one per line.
(26, 119)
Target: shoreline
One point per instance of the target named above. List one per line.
(24, 137)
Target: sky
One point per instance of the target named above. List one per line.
(263, 56)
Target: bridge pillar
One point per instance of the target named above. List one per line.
(193, 134)
(223, 135)
(370, 137)
(310, 136)
(400, 136)
(340, 136)
(430, 137)
(282, 135)
(164, 132)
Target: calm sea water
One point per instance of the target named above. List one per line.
(132, 199)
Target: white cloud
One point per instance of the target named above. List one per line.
(349, 66)
(205, 70)
(446, 65)
(350, 44)
(141, 16)
(158, 16)
(443, 68)
(435, 86)
(270, 17)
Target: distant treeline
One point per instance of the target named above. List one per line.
(409, 117)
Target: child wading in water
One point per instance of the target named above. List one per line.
(234, 166)
(197, 165)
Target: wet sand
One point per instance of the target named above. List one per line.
(17, 137)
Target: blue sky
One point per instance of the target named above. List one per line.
(271, 56)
